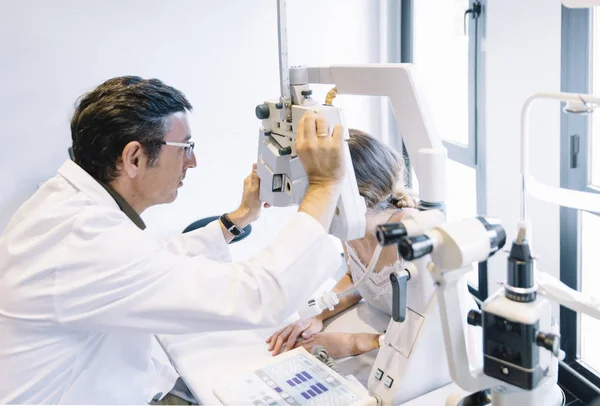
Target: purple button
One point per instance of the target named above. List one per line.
(311, 393)
(306, 374)
(302, 378)
(313, 387)
(322, 387)
(278, 390)
(297, 381)
(290, 383)
(305, 395)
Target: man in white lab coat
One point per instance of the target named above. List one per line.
(83, 289)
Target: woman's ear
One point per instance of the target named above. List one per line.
(133, 158)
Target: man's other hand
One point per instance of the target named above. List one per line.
(251, 206)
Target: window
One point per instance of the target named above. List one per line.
(580, 170)
(590, 281)
(446, 38)
(589, 225)
(441, 53)
(595, 88)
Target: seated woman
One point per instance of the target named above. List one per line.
(381, 178)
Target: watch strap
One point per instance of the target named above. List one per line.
(232, 228)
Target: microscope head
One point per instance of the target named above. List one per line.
(516, 324)
(283, 180)
(520, 284)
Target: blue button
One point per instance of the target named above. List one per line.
(301, 377)
(311, 393)
(306, 374)
(305, 395)
(313, 387)
(290, 383)
(322, 387)
(278, 390)
(297, 381)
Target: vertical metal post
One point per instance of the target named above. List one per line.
(284, 69)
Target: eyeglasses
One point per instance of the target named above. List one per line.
(188, 146)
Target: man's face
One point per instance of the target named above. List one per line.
(161, 181)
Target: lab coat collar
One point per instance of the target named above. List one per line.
(83, 181)
(125, 206)
(99, 192)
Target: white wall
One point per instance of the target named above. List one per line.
(523, 51)
(222, 54)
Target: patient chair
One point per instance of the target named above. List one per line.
(203, 222)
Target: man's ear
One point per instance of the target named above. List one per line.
(133, 158)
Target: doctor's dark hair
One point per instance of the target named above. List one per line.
(121, 110)
(380, 172)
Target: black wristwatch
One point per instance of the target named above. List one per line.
(232, 228)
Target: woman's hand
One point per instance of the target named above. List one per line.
(290, 334)
(340, 345)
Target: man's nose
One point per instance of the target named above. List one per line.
(191, 161)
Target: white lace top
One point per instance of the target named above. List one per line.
(377, 290)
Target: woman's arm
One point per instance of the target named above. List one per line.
(289, 334)
(340, 345)
(346, 302)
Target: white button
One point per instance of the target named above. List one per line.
(388, 381)
(329, 379)
(284, 395)
(378, 374)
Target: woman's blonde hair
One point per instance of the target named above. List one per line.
(380, 172)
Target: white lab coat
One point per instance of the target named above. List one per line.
(83, 290)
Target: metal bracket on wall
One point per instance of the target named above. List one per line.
(475, 12)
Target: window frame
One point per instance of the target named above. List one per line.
(473, 154)
(576, 65)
